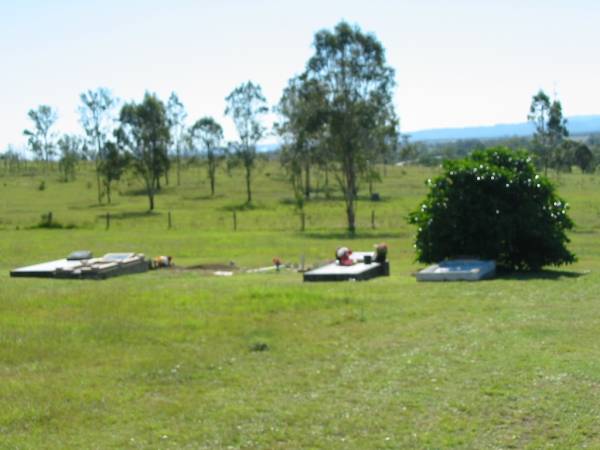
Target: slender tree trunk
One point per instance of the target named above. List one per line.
(351, 219)
(211, 175)
(97, 162)
(350, 194)
(151, 198)
(350, 213)
(248, 180)
(178, 167)
(108, 199)
(307, 180)
(150, 190)
(99, 184)
(370, 174)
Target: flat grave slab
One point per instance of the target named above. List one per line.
(359, 271)
(458, 269)
(110, 265)
(45, 269)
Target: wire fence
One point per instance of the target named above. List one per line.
(234, 221)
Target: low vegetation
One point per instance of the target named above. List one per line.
(181, 359)
(493, 205)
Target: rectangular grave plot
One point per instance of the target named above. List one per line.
(44, 270)
(110, 265)
(358, 272)
(458, 270)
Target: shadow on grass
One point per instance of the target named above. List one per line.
(52, 226)
(93, 206)
(585, 231)
(134, 192)
(202, 197)
(288, 201)
(367, 234)
(335, 198)
(539, 275)
(130, 215)
(142, 192)
(243, 207)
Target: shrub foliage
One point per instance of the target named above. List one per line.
(493, 205)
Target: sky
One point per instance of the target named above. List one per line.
(458, 63)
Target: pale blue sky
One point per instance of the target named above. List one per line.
(458, 63)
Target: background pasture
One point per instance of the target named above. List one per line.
(168, 359)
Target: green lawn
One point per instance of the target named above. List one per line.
(165, 359)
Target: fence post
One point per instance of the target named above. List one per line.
(170, 220)
(107, 220)
(302, 221)
(373, 219)
(234, 221)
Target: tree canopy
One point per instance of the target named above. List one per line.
(41, 139)
(144, 134)
(493, 205)
(246, 105)
(206, 134)
(97, 119)
(550, 128)
(349, 67)
(176, 116)
(302, 128)
(70, 154)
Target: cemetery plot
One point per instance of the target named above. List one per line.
(361, 270)
(82, 265)
(458, 269)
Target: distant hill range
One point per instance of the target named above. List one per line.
(577, 125)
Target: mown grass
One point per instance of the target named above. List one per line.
(168, 359)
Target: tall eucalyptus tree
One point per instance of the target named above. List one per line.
(358, 86)
(207, 135)
(246, 105)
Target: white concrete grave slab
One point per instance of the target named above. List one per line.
(81, 266)
(45, 269)
(458, 269)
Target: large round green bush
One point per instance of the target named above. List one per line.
(493, 205)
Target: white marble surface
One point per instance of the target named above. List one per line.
(458, 269)
(336, 269)
(50, 266)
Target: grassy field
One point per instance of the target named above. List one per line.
(167, 359)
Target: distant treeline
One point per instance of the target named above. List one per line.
(579, 151)
(336, 117)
